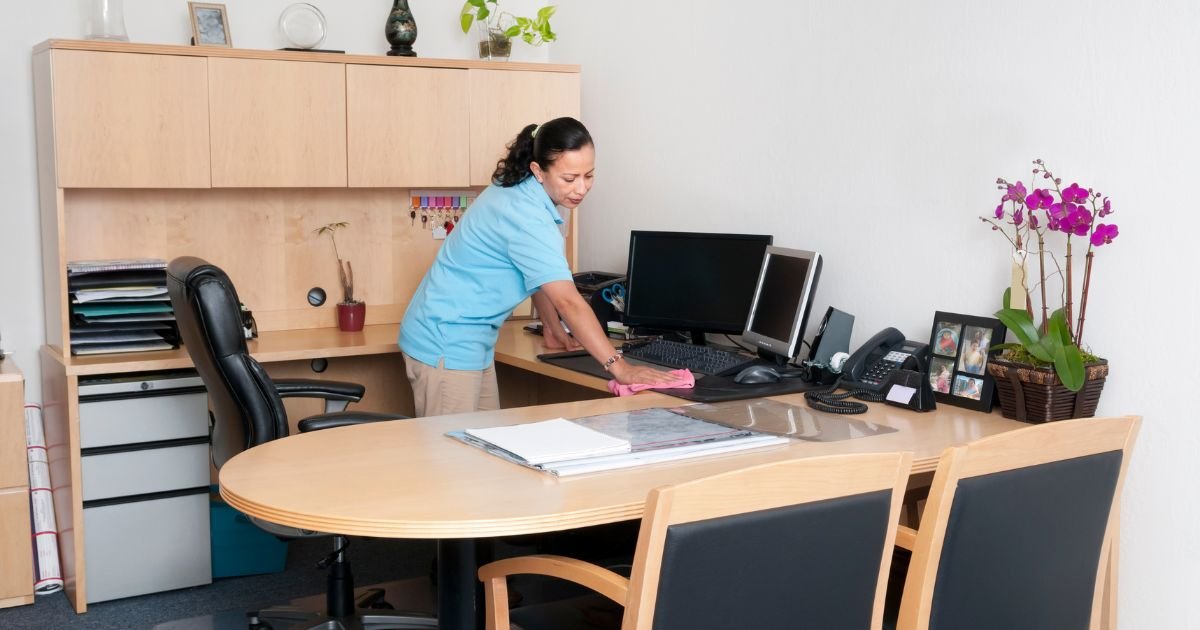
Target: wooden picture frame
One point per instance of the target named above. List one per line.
(210, 24)
(958, 356)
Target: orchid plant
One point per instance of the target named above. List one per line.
(1027, 218)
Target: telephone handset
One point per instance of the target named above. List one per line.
(872, 364)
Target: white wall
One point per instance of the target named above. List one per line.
(355, 26)
(873, 132)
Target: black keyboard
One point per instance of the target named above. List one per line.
(700, 359)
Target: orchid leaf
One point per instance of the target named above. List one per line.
(1022, 326)
(1068, 362)
(1007, 299)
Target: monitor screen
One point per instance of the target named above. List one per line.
(692, 281)
(782, 300)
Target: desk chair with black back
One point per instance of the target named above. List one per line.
(247, 410)
(801, 543)
(1018, 530)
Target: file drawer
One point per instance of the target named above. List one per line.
(129, 411)
(146, 545)
(121, 472)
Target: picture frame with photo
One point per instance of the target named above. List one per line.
(210, 24)
(959, 346)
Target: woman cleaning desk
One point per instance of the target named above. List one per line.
(507, 248)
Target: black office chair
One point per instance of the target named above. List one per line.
(246, 409)
(801, 543)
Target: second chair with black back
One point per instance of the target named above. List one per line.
(246, 408)
(1019, 529)
(802, 543)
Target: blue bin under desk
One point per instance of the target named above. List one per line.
(240, 548)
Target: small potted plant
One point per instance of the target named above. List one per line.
(499, 27)
(1050, 374)
(351, 313)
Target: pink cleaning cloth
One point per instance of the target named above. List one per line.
(681, 379)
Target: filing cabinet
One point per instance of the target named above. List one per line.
(144, 464)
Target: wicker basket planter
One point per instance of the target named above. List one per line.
(1035, 394)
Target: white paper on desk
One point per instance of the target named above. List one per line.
(550, 441)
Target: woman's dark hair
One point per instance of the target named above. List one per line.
(543, 147)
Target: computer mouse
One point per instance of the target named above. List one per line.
(758, 374)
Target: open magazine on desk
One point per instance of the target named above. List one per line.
(652, 435)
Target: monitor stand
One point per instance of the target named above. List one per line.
(698, 338)
(778, 360)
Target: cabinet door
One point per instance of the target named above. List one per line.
(407, 127)
(504, 101)
(130, 121)
(16, 580)
(277, 124)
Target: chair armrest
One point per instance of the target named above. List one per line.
(313, 388)
(906, 537)
(609, 584)
(344, 419)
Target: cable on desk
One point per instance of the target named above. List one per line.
(827, 401)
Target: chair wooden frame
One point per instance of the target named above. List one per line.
(764, 487)
(1033, 446)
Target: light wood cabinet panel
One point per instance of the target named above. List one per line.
(277, 124)
(130, 121)
(14, 471)
(16, 548)
(16, 580)
(504, 101)
(407, 127)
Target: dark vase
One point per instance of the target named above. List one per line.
(401, 30)
(351, 316)
(1035, 394)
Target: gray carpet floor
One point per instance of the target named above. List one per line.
(373, 561)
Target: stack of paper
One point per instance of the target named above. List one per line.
(611, 441)
(120, 306)
(550, 441)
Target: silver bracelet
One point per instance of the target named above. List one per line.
(611, 360)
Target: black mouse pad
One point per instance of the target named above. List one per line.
(708, 388)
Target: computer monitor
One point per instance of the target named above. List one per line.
(692, 281)
(782, 299)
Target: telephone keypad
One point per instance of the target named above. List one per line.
(879, 372)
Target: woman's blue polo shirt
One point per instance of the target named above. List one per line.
(506, 246)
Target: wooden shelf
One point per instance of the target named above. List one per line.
(284, 55)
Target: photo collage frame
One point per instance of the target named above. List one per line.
(958, 351)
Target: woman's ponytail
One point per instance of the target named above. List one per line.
(514, 167)
(542, 144)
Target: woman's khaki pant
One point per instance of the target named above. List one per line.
(439, 391)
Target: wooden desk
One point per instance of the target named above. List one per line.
(410, 481)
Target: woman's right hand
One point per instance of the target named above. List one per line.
(628, 374)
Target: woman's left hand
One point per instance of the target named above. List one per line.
(555, 338)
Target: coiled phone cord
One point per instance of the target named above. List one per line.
(827, 401)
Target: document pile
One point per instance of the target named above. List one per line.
(120, 306)
(611, 441)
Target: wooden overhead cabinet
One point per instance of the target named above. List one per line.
(277, 124)
(407, 127)
(129, 120)
(504, 101)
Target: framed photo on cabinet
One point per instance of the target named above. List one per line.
(210, 24)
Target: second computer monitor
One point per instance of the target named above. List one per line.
(692, 281)
(783, 297)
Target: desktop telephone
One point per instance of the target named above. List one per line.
(868, 373)
(872, 364)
